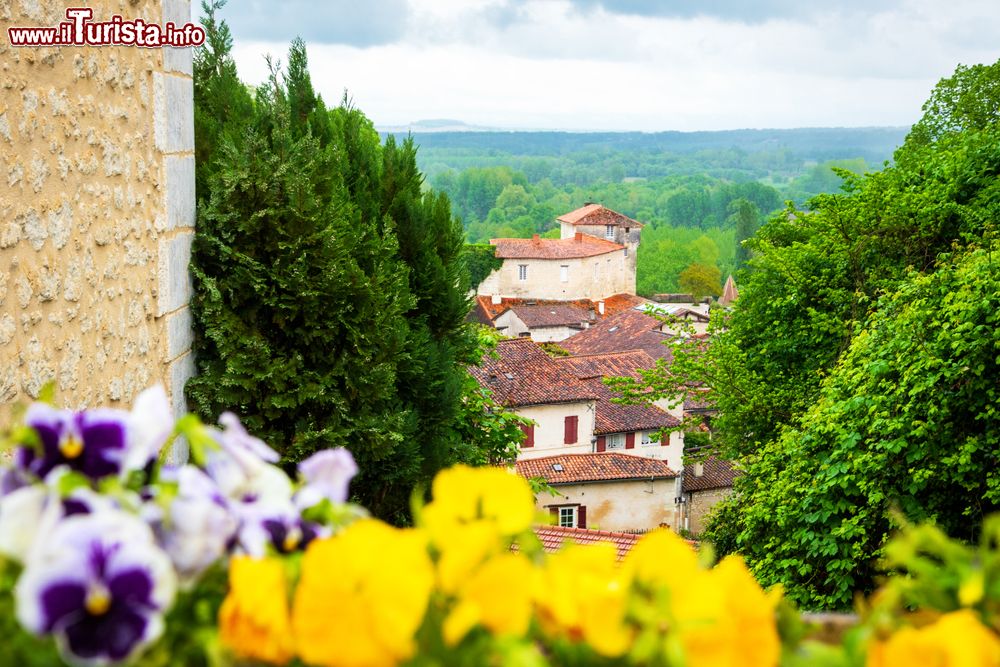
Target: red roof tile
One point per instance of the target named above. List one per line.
(582, 245)
(608, 364)
(597, 467)
(485, 311)
(595, 214)
(553, 538)
(615, 418)
(521, 373)
(716, 474)
(552, 314)
(628, 330)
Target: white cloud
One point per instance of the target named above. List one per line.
(546, 64)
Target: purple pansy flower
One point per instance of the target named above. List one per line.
(99, 585)
(289, 534)
(327, 475)
(91, 442)
(99, 442)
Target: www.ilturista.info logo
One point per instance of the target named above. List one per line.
(79, 30)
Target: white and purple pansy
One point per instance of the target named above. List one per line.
(100, 585)
(289, 534)
(198, 527)
(100, 442)
(327, 475)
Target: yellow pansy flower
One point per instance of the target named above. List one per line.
(582, 595)
(463, 549)
(463, 495)
(362, 596)
(957, 639)
(253, 619)
(497, 596)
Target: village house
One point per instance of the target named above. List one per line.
(705, 484)
(630, 329)
(638, 429)
(594, 259)
(562, 408)
(609, 491)
(571, 408)
(546, 320)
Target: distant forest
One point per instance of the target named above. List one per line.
(701, 193)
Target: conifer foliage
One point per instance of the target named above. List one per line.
(330, 292)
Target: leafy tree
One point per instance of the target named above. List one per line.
(701, 280)
(330, 290)
(746, 219)
(481, 260)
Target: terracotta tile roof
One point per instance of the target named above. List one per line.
(608, 364)
(522, 373)
(615, 418)
(716, 474)
(596, 467)
(552, 315)
(729, 292)
(595, 214)
(582, 245)
(485, 311)
(627, 330)
(553, 538)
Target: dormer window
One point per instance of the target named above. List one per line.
(609, 232)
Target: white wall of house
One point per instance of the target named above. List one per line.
(672, 452)
(593, 278)
(550, 424)
(636, 504)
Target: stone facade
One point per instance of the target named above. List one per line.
(627, 505)
(593, 278)
(550, 424)
(626, 236)
(699, 504)
(97, 212)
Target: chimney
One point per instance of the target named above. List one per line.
(578, 237)
(600, 307)
(534, 238)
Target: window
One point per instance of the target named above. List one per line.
(649, 439)
(609, 232)
(616, 441)
(529, 435)
(522, 271)
(571, 435)
(626, 251)
(564, 273)
(567, 517)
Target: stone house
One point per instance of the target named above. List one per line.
(609, 491)
(705, 484)
(563, 409)
(595, 258)
(546, 320)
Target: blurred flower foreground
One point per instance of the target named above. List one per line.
(113, 553)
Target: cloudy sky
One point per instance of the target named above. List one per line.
(624, 64)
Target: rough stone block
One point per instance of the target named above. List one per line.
(173, 112)
(174, 278)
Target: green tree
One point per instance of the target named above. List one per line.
(701, 280)
(746, 219)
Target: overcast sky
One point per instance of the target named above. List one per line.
(624, 64)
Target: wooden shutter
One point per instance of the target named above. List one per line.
(602, 443)
(630, 441)
(554, 511)
(529, 435)
(665, 439)
(570, 435)
(581, 517)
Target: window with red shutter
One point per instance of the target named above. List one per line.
(601, 443)
(581, 517)
(529, 435)
(630, 441)
(665, 439)
(571, 429)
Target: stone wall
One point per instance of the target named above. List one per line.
(700, 505)
(97, 211)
